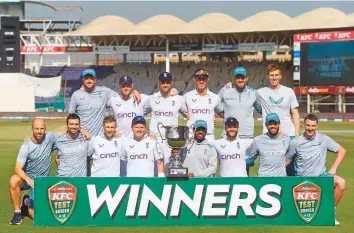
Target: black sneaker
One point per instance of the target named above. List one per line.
(24, 208)
(16, 219)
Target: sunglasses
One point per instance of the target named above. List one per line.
(201, 73)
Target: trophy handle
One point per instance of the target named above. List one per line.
(158, 129)
(191, 127)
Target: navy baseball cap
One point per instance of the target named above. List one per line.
(240, 71)
(165, 76)
(231, 121)
(90, 72)
(138, 119)
(272, 117)
(201, 124)
(125, 80)
(202, 74)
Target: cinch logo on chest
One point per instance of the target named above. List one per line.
(201, 111)
(126, 115)
(109, 155)
(233, 156)
(165, 114)
(141, 156)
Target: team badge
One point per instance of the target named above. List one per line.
(209, 101)
(82, 98)
(147, 145)
(173, 103)
(62, 199)
(307, 200)
(238, 145)
(100, 145)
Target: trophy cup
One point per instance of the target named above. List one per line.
(176, 137)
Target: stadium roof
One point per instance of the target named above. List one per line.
(265, 21)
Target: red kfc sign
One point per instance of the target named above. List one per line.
(53, 49)
(324, 36)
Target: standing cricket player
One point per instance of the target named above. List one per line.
(33, 160)
(281, 100)
(141, 152)
(106, 151)
(231, 151)
(309, 151)
(271, 148)
(126, 107)
(72, 150)
(239, 101)
(89, 102)
(200, 157)
(202, 104)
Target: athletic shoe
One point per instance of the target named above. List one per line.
(336, 222)
(24, 208)
(16, 219)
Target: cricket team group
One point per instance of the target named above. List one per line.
(125, 145)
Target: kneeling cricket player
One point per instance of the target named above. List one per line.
(141, 152)
(309, 151)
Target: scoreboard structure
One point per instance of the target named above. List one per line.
(10, 54)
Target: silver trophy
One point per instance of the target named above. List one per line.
(176, 137)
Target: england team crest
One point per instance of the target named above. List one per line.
(307, 200)
(62, 199)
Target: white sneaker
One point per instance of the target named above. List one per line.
(336, 222)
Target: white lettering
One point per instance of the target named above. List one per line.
(133, 200)
(148, 196)
(211, 199)
(268, 199)
(193, 204)
(245, 203)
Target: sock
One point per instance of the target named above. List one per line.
(17, 211)
(26, 201)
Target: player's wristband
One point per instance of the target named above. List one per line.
(161, 174)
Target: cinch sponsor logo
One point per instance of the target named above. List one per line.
(73, 149)
(274, 153)
(233, 156)
(91, 106)
(126, 115)
(219, 200)
(109, 155)
(200, 111)
(165, 114)
(230, 98)
(141, 156)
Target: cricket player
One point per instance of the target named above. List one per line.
(309, 152)
(281, 100)
(164, 106)
(200, 156)
(33, 160)
(126, 107)
(106, 151)
(231, 151)
(141, 152)
(239, 101)
(271, 148)
(202, 104)
(73, 150)
(89, 102)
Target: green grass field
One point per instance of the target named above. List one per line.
(12, 133)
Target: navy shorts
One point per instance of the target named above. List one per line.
(28, 187)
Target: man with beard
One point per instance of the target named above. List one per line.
(231, 151)
(126, 107)
(33, 160)
(106, 151)
(238, 101)
(309, 152)
(72, 150)
(200, 157)
(202, 104)
(141, 152)
(89, 102)
(271, 148)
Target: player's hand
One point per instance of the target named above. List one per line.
(187, 114)
(85, 134)
(153, 136)
(30, 182)
(117, 134)
(137, 96)
(27, 139)
(281, 133)
(332, 171)
(57, 161)
(228, 85)
(174, 92)
(191, 174)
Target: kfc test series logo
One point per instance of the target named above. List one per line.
(62, 199)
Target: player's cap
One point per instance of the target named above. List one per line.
(201, 74)
(201, 124)
(240, 71)
(165, 76)
(89, 72)
(125, 80)
(231, 121)
(272, 117)
(138, 119)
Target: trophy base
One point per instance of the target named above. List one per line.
(177, 173)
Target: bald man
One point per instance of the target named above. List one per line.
(33, 161)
